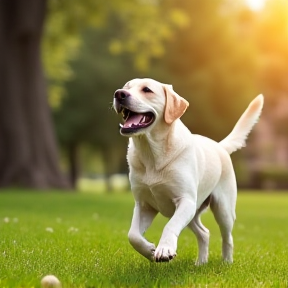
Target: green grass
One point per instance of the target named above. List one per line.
(89, 247)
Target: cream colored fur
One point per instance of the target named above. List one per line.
(173, 172)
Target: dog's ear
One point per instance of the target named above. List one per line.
(175, 105)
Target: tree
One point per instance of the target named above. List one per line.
(28, 152)
(138, 33)
(86, 115)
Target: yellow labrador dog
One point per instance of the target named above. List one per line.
(175, 172)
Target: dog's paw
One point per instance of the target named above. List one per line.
(164, 254)
(201, 261)
(151, 254)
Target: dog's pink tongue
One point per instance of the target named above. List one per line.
(134, 119)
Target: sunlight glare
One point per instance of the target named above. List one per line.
(255, 5)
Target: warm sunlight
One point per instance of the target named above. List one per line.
(255, 4)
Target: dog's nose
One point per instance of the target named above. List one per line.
(121, 94)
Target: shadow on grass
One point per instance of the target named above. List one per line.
(177, 273)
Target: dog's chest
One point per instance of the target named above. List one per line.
(151, 178)
(154, 189)
(161, 199)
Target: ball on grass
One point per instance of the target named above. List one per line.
(50, 281)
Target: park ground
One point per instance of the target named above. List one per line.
(82, 239)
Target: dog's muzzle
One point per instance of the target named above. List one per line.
(133, 121)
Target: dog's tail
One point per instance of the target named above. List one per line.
(237, 138)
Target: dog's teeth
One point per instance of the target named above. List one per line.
(120, 125)
(143, 119)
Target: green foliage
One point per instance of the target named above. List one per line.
(88, 108)
(86, 115)
(82, 239)
(61, 41)
(139, 32)
(212, 64)
(143, 34)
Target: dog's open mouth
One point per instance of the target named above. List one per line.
(135, 121)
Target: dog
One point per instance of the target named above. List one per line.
(175, 172)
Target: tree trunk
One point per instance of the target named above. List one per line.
(28, 152)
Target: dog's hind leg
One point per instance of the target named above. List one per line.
(223, 203)
(202, 234)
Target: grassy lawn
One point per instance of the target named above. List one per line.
(82, 239)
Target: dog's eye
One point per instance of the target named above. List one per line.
(146, 90)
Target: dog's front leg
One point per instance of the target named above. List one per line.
(184, 213)
(143, 216)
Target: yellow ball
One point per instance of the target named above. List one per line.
(50, 281)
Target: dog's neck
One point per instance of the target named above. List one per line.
(162, 147)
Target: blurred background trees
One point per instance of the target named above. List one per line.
(28, 153)
(217, 54)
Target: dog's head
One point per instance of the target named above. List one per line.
(146, 102)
